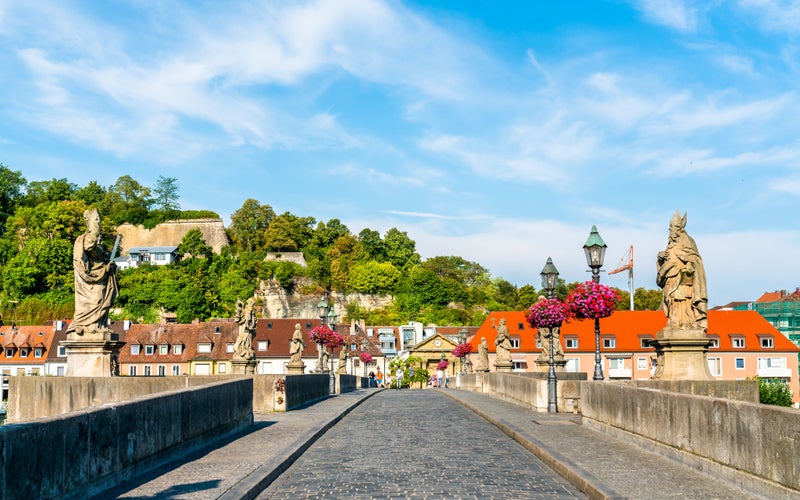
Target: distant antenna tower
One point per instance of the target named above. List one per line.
(626, 262)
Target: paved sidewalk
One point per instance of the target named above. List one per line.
(242, 465)
(599, 465)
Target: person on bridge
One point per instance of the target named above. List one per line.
(379, 378)
(399, 377)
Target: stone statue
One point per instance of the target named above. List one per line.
(502, 342)
(483, 357)
(544, 339)
(325, 358)
(341, 368)
(95, 281)
(682, 278)
(246, 318)
(297, 346)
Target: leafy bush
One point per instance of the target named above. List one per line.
(774, 392)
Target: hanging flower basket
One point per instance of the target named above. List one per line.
(462, 350)
(547, 313)
(592, 300)
(324, 335)
(442, 365)
(365, 357)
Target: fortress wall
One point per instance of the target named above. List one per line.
(171, 232)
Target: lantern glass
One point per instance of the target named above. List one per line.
(322, 307)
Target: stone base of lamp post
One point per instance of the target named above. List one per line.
(296, 368)
(504, 366)
(92, 358)
(681, 355)
(243, 366)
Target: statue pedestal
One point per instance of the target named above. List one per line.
(504, 366)
(243, 366)
(682, 355)
(296, 368)
(543, 364)
(92, 358)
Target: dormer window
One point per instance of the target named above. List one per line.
(9, 352)
(515, 342)
(521, 326)
(738, 342)
(609, 343)
(163, 349)
(204, 347)
(644, 342)
(216, 329)
(177, 349)
(767, 342)
(135, 349)
(37, 352)
(571, 342)
(714, 343)
(23, 352)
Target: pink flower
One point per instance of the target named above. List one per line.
(547, 313)
(592, 300)
(462, 350)
(365, 357)
(442, 365)
(322, 334)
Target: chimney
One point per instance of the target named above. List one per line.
(126, 325)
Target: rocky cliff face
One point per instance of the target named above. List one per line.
(171, 233)
(278, 303)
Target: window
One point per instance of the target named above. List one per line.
(9, 352)
(353, 346)
(521, 326)
(641, 363)
(515, 342)
(135, 349)
(222, 368)
(767, 342)
(37, 352)
(176, 370)
(308, 325)
(262, 345)
(229, 347)
(538, 342)
(177, 349)
(60, 371)
(132, 370)
(62, 351)
(573, 365)
(162, 370)
(616, 363)
(715, 366)
(23, 352)
(714, 343)
(740, 363)
(571, 342)
(610, 343)
(520, 366)
(204, 347)
(269, 326)
(644, 342)
(738, 342)
(149, 349)
(147, 371)
(771, 363)
(163, 349)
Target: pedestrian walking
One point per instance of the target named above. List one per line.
(439, 377)
(399, 377)
(379, 378)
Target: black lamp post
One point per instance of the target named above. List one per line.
(322, 309)
(549, 279)
(595, 250)
(332, 324)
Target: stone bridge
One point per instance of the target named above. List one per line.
(484, 440)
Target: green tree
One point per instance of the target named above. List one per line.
(92, 194)
(288, 233)
(249, 223)
(49, 191)
(526, 296)
(400, 249)
(11, 185)
(372, 244)
(193, 244)
(166, 193)
(646, 300)
(374, 277)
(127, 201)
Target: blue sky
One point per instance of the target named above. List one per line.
(498, 131)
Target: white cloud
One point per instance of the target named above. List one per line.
(697, 161)
(680, 15)
(782, 16)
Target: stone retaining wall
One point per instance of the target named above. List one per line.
(83, 452)
(731, 435)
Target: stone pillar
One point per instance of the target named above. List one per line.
(296, 368)
(543, 365)
(93, 357)
(243, 366)
(681, 354)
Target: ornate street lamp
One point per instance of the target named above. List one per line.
(332, 324)
(595, 250)
(549, 279)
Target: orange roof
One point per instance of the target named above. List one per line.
(40, 336)
(771, 296)
(629, 327)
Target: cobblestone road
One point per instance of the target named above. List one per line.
(417, 444)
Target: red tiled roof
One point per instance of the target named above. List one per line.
(629, 327)
(26, 336)
(771, 296)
